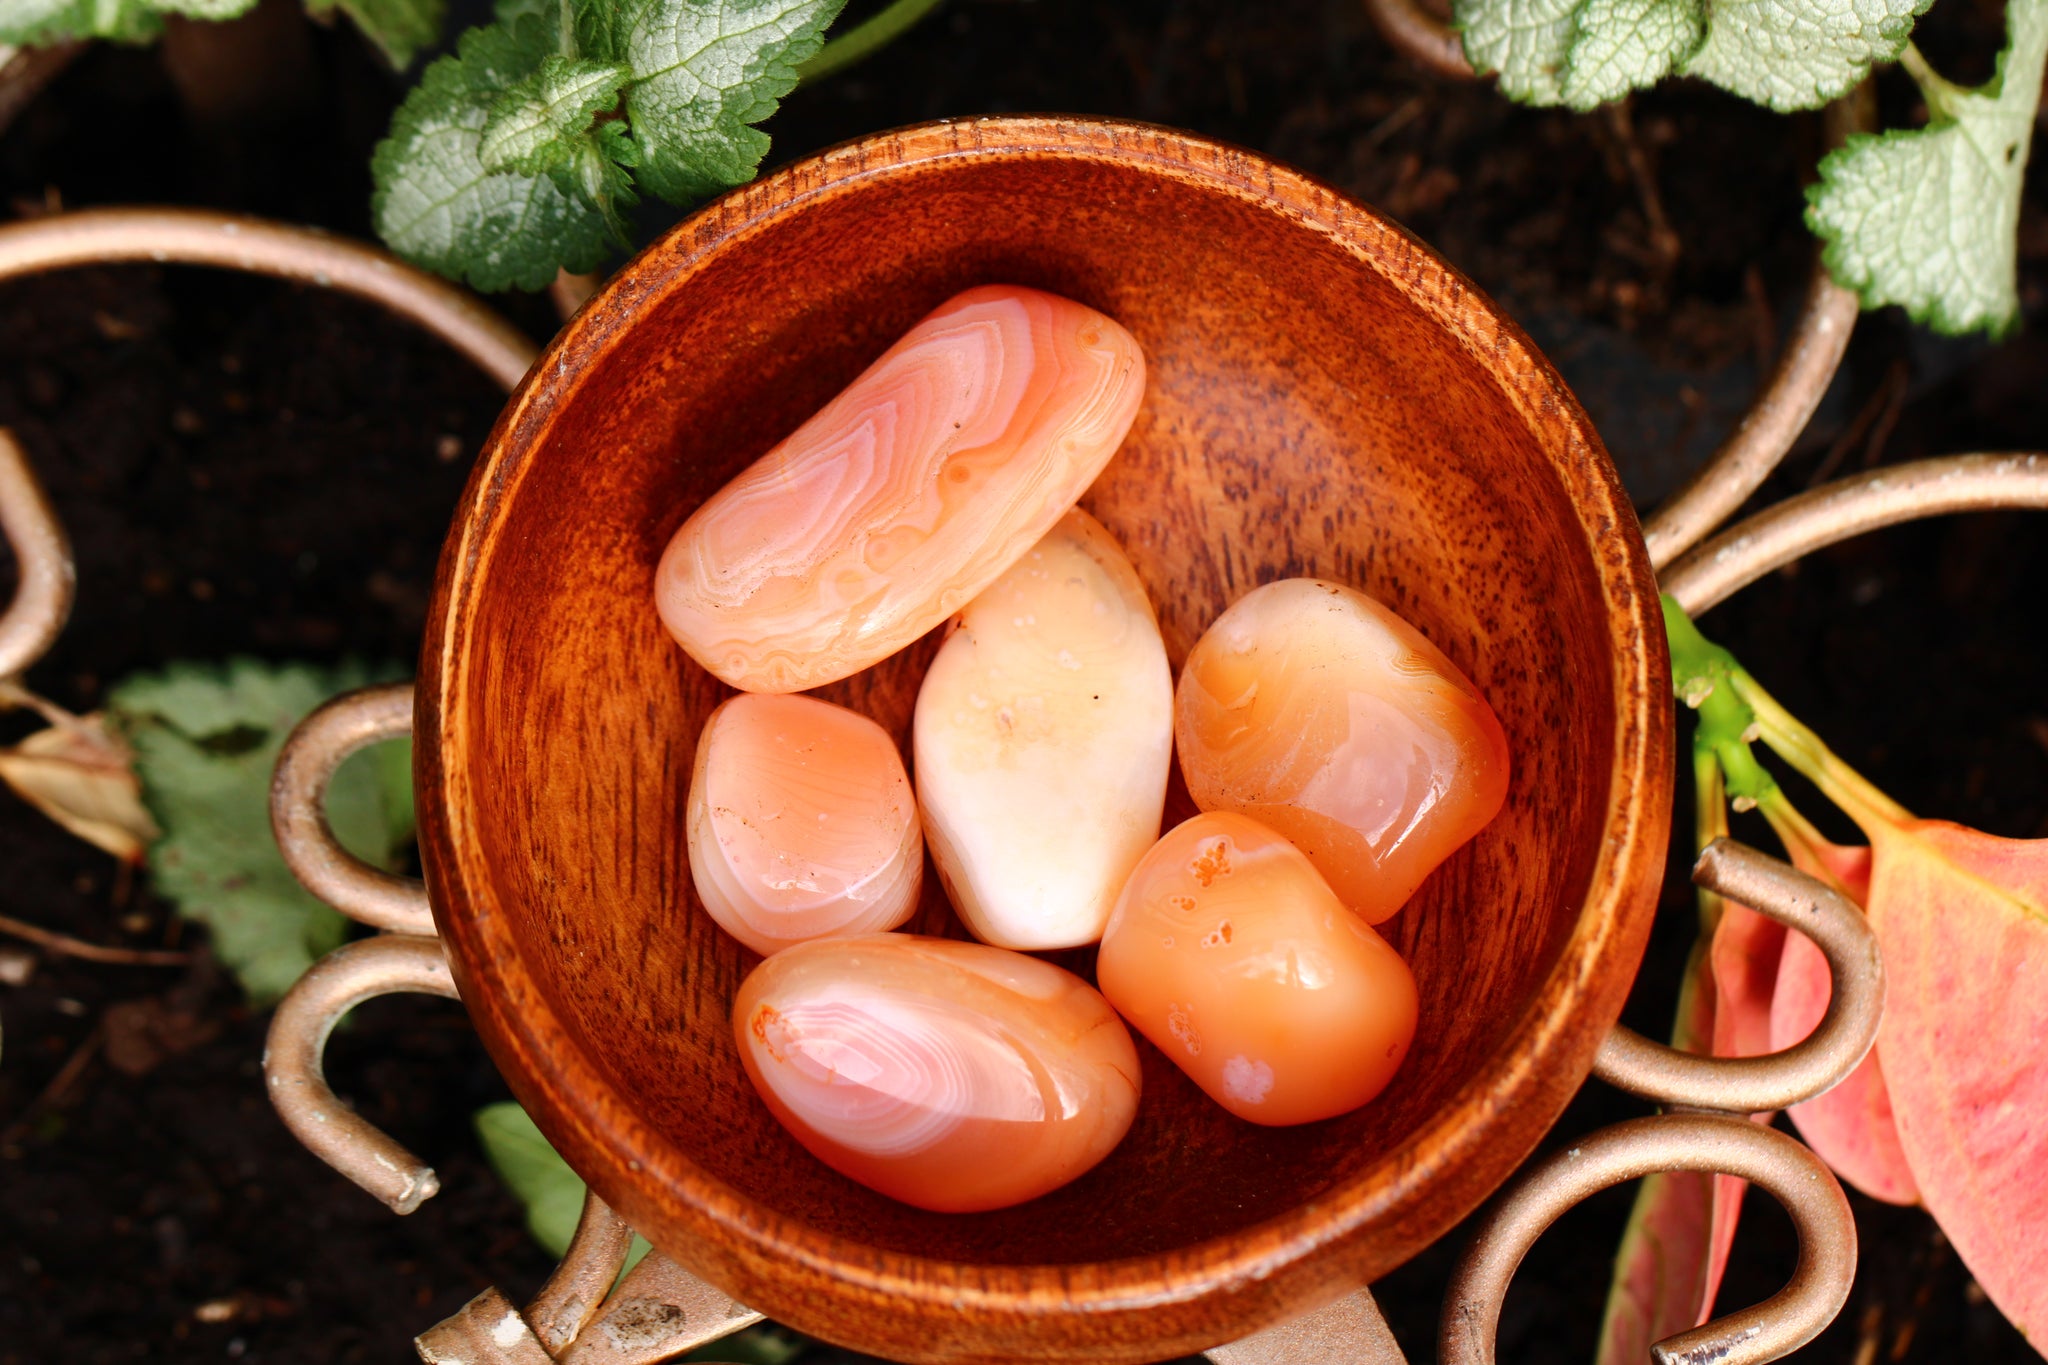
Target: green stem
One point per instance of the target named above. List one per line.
(865, 39)
(1939, 93)
(1710, 822)
(1799, 746)
(1735, 710)
(1702, 675)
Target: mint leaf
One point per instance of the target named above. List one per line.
(545, 125)
(541, 1180)
(1624, 45)
(704, 71)
(399, 28)
(438, 205)
(205, 741)
(538, 124)
(537, 1177)
(1799, 54)
(28, 22)
(1525, 42)
(1928, 218)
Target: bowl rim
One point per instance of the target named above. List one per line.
(1419, 1190)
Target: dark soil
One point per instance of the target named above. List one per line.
(250, 468)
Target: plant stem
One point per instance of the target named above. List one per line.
(1939, 93)
(1799, 746)
(865, 39)
(64, 945)
(1709, 822)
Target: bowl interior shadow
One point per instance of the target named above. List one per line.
(1304, 415)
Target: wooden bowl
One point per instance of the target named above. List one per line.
(1326, 397)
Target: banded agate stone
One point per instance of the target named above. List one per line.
(1041, 742)
(952, 1076)
(1231, 953)
(1316, 710)
(801, 823)
(904, 496)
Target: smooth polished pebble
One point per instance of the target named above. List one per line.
(953, 1076)
(1320, 712)
(801, 823)
(1231, 953)
(1041, 743)
(904, 496)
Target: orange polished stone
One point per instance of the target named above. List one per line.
(801, 823)
(1235, 958)
(904, 496)
(1319, 712)
(953, 1076)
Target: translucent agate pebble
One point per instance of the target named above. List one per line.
(1323, 714)
(952, 1076)
(1231, 953)
(905, 495)
(1041, 742)
(801, 823)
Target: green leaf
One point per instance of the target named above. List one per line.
(214, 10)
(1928, 218)
(399, 28)
(542, 1181)
(205, 741)
(542, 122)
(439, 206)
(704, 71)
(29, 22)
(1799, 54)
(537, 1177)
(1624, 45)
(1525, 42)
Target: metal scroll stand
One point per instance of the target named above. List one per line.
(587, 1315)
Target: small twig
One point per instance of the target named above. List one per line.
(1869, 1332)
(1899, 384)
(66, 946)
(1421, 37)
(61, 1083)
(1764, 334)
(1889, 397)
(1394, 122)
(1664, 243)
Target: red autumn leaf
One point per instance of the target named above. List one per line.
(1851, 1127)
(1748, 954)
(1746, 951)
(1962, 922)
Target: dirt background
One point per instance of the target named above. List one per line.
(251, 468)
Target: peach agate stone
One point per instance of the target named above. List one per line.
(905, 495)
(952, 1076)
(801, 823)
(1041, 743)
(1231, 953)
(1316, 710)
